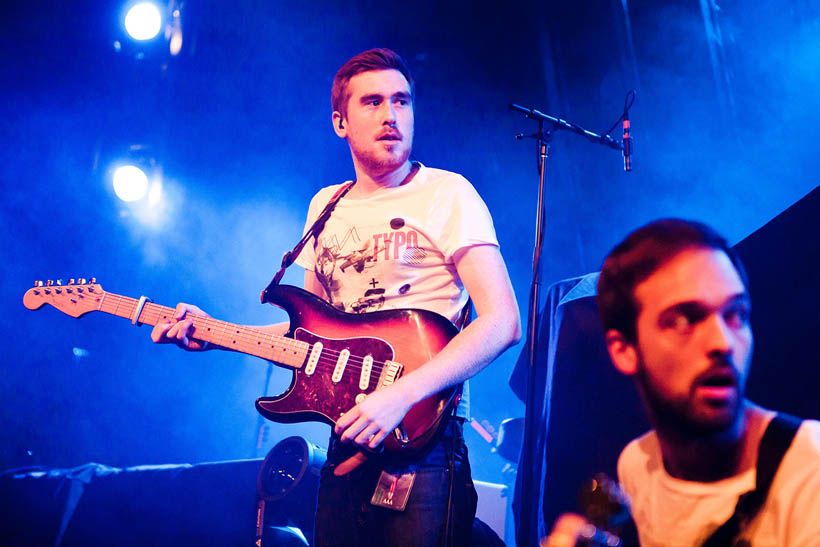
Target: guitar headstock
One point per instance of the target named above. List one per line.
(74, 298)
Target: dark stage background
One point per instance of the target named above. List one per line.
(725, 127)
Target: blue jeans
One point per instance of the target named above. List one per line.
(345, 516)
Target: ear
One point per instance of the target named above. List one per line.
(339, 124)
(623, 353)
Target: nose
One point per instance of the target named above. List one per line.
(719, 335)
(390, 114)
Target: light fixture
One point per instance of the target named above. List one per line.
(130, 183)
(143, 21)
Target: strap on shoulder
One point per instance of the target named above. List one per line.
(775, 442)
(315, 229)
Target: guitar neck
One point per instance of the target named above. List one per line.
(250, 340)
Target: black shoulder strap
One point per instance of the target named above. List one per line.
(313, 231)
(773, 446)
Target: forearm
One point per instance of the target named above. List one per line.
(479, 344)
(497, 326)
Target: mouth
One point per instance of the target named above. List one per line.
(717, 385)
(394, 137)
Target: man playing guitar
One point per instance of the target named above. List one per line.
(403, 236)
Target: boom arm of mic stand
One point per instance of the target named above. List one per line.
(558, 123)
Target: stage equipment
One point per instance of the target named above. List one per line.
(137, 176)
(130, 183)
(158, 505)
(287, 486)
(143, 21)
(510, 435)
(547, 126)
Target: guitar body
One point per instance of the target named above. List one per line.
(408, 337)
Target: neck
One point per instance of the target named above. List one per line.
(371, 180)
(709, 458)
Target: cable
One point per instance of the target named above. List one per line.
(629, 100)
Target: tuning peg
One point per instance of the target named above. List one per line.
(93, 280)
(38, 283)
(81, 281)
(71, 281)
(49, 283)
(59, 282)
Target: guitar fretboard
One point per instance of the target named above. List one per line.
(250, 340)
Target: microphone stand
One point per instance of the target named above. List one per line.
(529, 505)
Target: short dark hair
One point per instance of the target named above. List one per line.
(372, 59)
(639, 256)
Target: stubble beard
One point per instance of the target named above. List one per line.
(686, 416)
(379, 162)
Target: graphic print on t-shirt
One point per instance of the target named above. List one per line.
(363, 255)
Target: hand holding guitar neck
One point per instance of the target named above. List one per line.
(179, 330)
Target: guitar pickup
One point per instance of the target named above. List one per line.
(313, 360)
(341, 363)
(364, 379)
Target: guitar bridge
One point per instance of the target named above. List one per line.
(390, 372)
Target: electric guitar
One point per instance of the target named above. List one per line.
(337, 358)
(606, 512)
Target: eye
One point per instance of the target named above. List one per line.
(679, 322)
(737, 316)
(682, 319)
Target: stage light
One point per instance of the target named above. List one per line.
(287, 487)
(292, 463)
(143, 21)
(130, 183)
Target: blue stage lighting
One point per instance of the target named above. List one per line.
(130, 183)
(143, 21)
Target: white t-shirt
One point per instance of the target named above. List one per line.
(671, 512)
(396, 247)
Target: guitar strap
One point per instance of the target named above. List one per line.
(464, 317)
(773, 446)
(313, 231)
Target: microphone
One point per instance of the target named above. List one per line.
(627, 150)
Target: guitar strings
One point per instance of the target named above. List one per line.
(245, 335)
